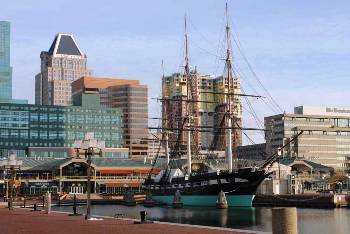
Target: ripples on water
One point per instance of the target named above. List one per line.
(327, 221)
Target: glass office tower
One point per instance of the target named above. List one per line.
(5, 68)
(25, 125)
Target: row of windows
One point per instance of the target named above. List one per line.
(130, 105)
(43, 109)
(326, 146)
(59, 135)
(327, 139)
(288, 124)
(136, 131)
(49, 154)
(136, 126)
(136, 115)
(136, 110)
(137, 121)
(131, 99)
(329, 133)
(88, 119)
(337, 122)
(125, 89)
(328, 152)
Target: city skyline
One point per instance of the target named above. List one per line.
(302, 47)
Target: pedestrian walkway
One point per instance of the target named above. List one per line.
(30, 222)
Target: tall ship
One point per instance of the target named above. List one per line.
(200, 178)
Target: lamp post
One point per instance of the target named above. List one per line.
(347, 183)
(91, 147)
(324, 183)
(11, 164)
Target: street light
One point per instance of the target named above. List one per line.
(12, 164)
(347, 183)
(324, 183)
(91, 147)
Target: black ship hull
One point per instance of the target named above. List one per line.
(202, 189)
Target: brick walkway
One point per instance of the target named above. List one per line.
(20, 221)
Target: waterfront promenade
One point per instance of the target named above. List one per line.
(26, 221)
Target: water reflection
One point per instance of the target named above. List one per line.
(309, 220)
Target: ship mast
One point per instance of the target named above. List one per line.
(188, 117)
(165, 120)
(230, 131)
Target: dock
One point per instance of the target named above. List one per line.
(29, 222)
(303, 200)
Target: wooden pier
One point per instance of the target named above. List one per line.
(303, 200)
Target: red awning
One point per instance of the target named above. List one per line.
(128, 172)
(121, 184)
(116, 172)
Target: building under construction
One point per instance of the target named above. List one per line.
(207, 106)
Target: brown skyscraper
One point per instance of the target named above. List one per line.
(60, 66)
(128, 95)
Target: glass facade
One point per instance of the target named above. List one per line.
(5, 68)
(25, 125)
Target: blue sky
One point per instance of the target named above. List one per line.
(299, 49)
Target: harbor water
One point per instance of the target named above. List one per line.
(309, 220)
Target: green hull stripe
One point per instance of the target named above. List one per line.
(208, 200)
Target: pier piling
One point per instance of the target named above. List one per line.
(149, 202)
(177, 203)
(48, 203)
(284, 221)
(129, 199)
(143, 216)
(222, 201)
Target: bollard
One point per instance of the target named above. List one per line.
(221, 203)
(43, 197)
(284, 221)
(48, 203)
(10, 205)
(143, 216)
(35, 208)
(74, 210)
(129, 199)
(59, 200)
(177, 203)
(24, 202)
(149, 202)
(75, 204)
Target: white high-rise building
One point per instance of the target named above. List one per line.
(60, 66)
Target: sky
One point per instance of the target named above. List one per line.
(299, 50)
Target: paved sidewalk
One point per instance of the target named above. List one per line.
(24, 221)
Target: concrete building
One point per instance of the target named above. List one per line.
(156, 146)
(208, 108)
(326, 137)
(256, 152)
(295, 176)
(47, 131)
(128, 95)
(60, 66)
